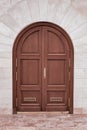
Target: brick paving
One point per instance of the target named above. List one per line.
(43, 121)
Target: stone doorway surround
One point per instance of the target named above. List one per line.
(68, 14)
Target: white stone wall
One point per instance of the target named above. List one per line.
(69, 14)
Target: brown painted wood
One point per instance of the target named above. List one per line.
(43, 60)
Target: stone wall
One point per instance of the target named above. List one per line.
(69, 14)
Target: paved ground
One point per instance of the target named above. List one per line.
(43, 121)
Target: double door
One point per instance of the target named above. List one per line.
(43, 71)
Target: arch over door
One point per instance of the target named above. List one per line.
(43, 69)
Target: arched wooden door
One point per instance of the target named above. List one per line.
(43, 69)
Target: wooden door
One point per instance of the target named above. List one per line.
(29, 71)
(43, 70)
(56, 82)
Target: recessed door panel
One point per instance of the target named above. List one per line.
(56, 72)
(56, 97)
(31, 43)
(30, 97)
(29, 72)
(55, 44)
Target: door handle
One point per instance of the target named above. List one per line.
(44, 73)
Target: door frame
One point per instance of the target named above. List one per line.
(71, 61)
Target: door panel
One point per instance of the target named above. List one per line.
(31, 97)
(56, 97)
(55, 44)
(56, 72)
(29, 72)
(31, 43)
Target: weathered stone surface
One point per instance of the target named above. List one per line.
(69, 14)
(43, 121)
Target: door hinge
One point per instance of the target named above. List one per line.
(69, 101)
(16, 75)
(69, 62)
(16, 69)
(44, 73)
(16, 62)
(69, 75)
(16, 101)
